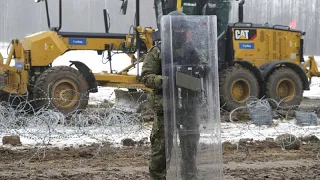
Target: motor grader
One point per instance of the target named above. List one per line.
(66, 88)
(255, 60)
(259, 60)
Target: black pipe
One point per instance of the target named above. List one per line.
(48, 16)
(60, 15)
(137, 33)
(105, 16)
(241, 10)
(110, 59)
(138, 13)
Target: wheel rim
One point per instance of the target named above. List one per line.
(240, 90)
(285, 89)
(65, 94)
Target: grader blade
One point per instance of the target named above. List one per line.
(130, 101)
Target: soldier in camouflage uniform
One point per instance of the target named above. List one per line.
(151, 77)
(188, 57)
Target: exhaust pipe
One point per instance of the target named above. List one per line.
(241, 11)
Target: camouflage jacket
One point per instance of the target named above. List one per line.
(151, 77)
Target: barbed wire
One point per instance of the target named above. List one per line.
(46, 124)
(261, 124)
(103, 121)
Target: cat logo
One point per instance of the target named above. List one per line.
(242, 34)
(245, 34)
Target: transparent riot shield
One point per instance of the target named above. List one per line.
(191, 97)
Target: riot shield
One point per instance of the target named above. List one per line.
(191, 97)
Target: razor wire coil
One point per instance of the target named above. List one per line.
(101, 123)
(44, 125)
(260, 112)
(306, 118)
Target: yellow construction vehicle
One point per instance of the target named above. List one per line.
(254, 60)
(62, 87)
(259, 60)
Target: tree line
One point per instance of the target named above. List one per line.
(20, 18)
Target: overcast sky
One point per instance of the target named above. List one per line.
(22, 17)
(19, 18)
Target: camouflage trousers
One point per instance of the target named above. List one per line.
(158, 159)
(157, 165)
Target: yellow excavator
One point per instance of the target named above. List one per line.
(254, 60)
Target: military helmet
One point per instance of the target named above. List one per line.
(178, 23)
(176, 13)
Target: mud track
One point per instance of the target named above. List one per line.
(254, 161)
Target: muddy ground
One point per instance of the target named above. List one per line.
(247, 161)
(264, 160)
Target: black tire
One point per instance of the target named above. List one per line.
(290, 84)
(60, 79)
(241, 78)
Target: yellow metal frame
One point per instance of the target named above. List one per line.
(17, 79)
(310, 68)
(42, 49)
(45, 47)
(269, 45)
(179, 5)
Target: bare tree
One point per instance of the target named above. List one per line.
(19, 18)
